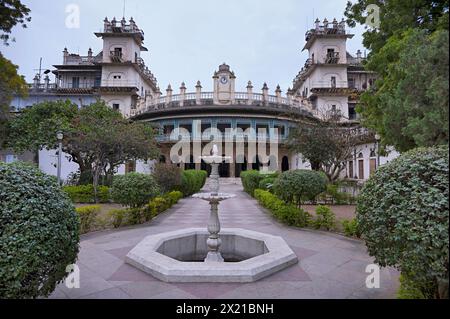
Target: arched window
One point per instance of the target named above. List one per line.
(285, 164)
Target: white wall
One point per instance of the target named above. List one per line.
(48, 162)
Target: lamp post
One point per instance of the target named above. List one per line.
(378, 139)
(60, 137)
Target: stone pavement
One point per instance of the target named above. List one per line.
(330, 266)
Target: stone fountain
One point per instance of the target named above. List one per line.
(201, 255)
(214, 198)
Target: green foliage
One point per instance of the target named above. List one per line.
(173, 197)
(10, 83)
(267, 183)
(168, 176)
(412, 290)
(335, 197)
(85, 193)
(117, 217)
(87, 215)
(134, 190)
(12, 12)
(402, 214)
(192, 181)
(300, 185)
(351, 228)
(250, 181)
(286, 213)
(325, 218)
(408, 106)
(39, 232)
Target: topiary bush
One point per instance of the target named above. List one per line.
(300, 185)
(267, 183)
(403, 216)
(250, 181)
(192, 181)
(39, 232)
(134, 190)
(168, 176)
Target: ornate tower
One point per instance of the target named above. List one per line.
(224, 85)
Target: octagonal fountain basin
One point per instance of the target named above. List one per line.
(178, 256)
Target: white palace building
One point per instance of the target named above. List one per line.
(330, 80)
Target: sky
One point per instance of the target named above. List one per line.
(261, 40)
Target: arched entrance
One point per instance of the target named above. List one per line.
(224, 169)
(240, 167)
(256, 165)
(189, 163)
(285, 164)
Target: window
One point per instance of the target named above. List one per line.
(333, 81)
(350, 169)
(98, 81)
(130, 167)
(9, 158)
(117, 77)
(333, 108)
(351, 83)
(373, 166)
(118, 52)
(75, 82)
(168, 129)
(116, 106)
(352, 112)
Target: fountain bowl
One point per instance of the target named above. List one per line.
(178, 256)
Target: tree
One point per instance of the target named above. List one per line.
(408, 106)
(403, 215)
(12, 12)
(327, 144)
(96, 137)
(10, 83)
(108, 140)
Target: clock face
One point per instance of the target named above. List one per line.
(224, 80)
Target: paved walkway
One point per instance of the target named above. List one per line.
(331, 266)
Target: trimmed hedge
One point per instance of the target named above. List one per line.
(84, 194)
(87, 215)
(134, 190)
(300, 185)
(134, 216)
(39, 232)
(192, 181)
(251, 180)
(168, 176)
(286, 213)
(403, 215)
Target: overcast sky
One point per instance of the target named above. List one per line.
(187, 40)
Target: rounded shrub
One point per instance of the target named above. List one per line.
(168, 176)
(300, 185)
(403, 216)
(250, 181)
(192, 181)
(39, 232)
(134, 189)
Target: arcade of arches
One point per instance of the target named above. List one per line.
(233, 168)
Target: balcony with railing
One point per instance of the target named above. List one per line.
(159, 103)
(116, 56)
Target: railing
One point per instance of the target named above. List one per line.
(119, 83)
(332, 58)
(116, 56)
(207, 98)
(329, 84)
